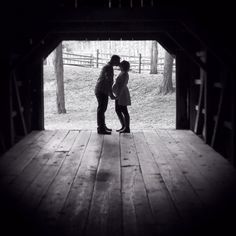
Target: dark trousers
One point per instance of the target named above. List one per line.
(123, 114)
(101, 109)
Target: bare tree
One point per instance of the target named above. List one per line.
(167, 85)
(59, 72)
(154, 57)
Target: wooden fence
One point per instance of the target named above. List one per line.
(138, 64)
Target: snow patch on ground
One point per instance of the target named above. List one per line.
(148, 109)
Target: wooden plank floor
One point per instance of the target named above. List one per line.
(149, 182)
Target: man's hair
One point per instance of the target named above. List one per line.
(115, 58)
(125, 65)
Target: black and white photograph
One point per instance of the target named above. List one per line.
(118, 118)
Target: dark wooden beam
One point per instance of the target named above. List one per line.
(160, 37)
(210, 41)
(208, 96)
(200, 110)
(182, 88)
(117, 26)
(221, 116)
(6, 126)
(116, 14)
(190, 52)
(167, 43)
(29, 52)
(194, 90)
(36, 69)
(233, 117)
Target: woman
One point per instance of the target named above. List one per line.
(123, 100)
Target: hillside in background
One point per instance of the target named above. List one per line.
(148, 109)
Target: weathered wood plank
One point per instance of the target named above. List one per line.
(105, 213)
(131, 176)
(74, 215)
(211, 164)
(182, 193)
(198, 145)
(137, 215)
(66, 144)
(11, 170)
(37, 188)
(18, 165)
(180, 152)
(27, 170)
(14, 153)
(53, 200)
(220, 201)
(165, 216)
(130, 171)
(55, 142)
(128, 150)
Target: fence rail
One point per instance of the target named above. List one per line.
(138, 64)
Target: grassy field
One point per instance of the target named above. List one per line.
(148, 109)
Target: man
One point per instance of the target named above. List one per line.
(103, 90)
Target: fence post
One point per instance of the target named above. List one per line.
(139, 64)
(97, 57)
(91, 60)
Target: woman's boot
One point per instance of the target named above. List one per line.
(122, 122)
(126, 128)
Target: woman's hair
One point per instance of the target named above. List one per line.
(125, 65)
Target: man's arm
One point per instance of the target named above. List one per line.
(109, 77)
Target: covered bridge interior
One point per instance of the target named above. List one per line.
(203, 43)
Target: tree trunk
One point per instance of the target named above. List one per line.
(59, 72)
(154, 57)
(167, 85)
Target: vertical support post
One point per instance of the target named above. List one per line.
(97, 58)
(19, 104)
(6, 125)
(199, 121)
(208, 97)
(26, 99)
(11, 112)
(91, 60)
(233, 118)
(59, 72)
(182, 88)
(141, 3)
(37, 95)
(193, 93)
(140, 63)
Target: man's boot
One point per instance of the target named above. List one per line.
(103, 131)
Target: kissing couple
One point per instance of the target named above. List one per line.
(118, 91)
